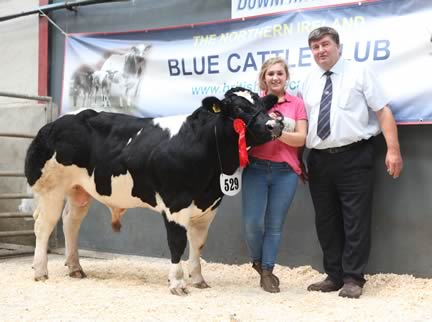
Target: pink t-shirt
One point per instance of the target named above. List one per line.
(277, 151)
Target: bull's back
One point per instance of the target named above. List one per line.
(100, 145)
(62, 137)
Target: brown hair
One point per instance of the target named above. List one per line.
(320, 32)
(266, 65)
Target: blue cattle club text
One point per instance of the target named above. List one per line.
(251, 61)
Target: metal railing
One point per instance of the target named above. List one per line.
(4, 215)
(3, 196)
(46, 99)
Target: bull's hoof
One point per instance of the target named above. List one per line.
(201, 284)
(41, 278)
(78, 274)
(181, 291)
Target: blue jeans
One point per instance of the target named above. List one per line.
(267, 192)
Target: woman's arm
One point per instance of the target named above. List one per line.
(297, 138)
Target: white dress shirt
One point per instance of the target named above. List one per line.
(357, 95)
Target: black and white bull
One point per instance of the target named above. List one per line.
(171, 165)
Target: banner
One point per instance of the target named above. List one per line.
(163, 72)
(248, 8)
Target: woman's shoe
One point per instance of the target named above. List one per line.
(268, 282)
(257, 266)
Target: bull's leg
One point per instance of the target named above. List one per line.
(128, 95)
(83, 99)
(96, 90)
(46, 216)
(137, 87)
(197, 235)
(177, 241)
(73, 214)
(86, 99)
(74, 99)
(109, 100)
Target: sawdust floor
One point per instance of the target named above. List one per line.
(132, 288)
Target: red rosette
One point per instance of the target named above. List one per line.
(240, 128)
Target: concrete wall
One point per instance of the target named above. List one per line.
(18, 50)
(402, 208)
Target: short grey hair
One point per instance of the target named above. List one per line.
(321, 32)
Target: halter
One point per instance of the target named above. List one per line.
(279, 119)
(248, 124)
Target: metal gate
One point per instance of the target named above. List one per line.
(15, 249)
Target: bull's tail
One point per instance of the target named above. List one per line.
(27, 205)
(40, 150)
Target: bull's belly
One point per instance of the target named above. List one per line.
(64, 180)
(121, 192)
(56, 176)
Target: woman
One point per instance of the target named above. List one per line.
(270, 180)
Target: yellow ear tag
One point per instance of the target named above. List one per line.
(216, 108)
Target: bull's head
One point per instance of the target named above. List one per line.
(139, 52)
(252, 109)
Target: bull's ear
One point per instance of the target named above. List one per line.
(269, 101)
(212, 104)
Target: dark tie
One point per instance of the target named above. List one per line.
(323, 130)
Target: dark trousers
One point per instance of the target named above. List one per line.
(341, 186)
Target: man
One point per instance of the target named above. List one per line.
(346, 108)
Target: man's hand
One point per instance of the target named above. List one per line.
(394, 162)
(393, 159)
(304, 177)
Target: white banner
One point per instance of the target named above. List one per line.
(169, 71)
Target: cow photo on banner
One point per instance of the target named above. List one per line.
(143, 72)
(112, 83)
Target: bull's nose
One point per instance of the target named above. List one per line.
(270, 126)
(275, 128)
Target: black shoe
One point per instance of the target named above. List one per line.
(326, 285)
(351, 290)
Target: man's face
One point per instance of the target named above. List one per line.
(325, 52)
